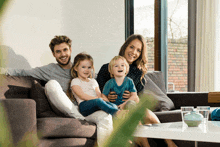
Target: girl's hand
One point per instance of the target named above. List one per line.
(105, 99)
(126, 95)
(112, 96)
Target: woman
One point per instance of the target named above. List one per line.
(134, 50)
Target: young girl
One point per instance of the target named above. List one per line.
(86, 89)
(118, 69)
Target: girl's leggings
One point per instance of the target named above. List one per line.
(88, 107)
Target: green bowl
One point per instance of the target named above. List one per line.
(192, 123)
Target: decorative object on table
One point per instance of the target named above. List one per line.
(204, 110)
(193, 119)
(185, 110)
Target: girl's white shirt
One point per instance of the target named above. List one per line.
(87, 87)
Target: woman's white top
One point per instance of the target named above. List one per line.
(87, 87)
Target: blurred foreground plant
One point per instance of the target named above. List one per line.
(6, 140)
(124, 128)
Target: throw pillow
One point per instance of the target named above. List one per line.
(158, 79)
(164, 103)
(42, 105)
(17, 92)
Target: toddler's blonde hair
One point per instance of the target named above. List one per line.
(112, 63)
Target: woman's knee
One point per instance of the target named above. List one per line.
(131, 104)
(151, 118)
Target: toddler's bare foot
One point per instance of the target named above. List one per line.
(121, 114)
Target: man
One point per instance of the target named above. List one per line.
(61, 50)
(58, 79)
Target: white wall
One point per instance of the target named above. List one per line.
(95, 26)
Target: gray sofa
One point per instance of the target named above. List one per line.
(28, 111)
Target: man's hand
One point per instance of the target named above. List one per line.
(112, 96)
(3, 70)
(126, 95)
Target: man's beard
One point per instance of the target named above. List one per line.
(65, 63)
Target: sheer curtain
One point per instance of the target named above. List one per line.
(206, 44)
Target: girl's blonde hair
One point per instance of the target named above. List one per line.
(81, 57)
(141, 62)
(112, 63)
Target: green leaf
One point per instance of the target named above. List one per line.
(123, 129)
(5, 139)
(3, 3)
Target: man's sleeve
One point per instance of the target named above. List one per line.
(103, 76)
(42, 73)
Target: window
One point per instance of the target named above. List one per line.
(144, 25)
(177, 39)
(177, 25)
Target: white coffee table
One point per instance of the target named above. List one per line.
(177, 131)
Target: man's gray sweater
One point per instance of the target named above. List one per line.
(48, 72)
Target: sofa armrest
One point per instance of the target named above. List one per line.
(21, 117)
(191, 99)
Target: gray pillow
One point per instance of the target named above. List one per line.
(158, 79)
(164, 102)
(42, 105)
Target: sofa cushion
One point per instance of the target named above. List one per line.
(164, 102)
(67, 142)
(17, 92)
(43, 107)
(65, 128)
(21, 117)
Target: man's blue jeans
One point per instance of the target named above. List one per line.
(88, 107)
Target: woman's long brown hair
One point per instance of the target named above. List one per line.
(142, 61)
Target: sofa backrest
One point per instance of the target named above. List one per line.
(19, 86)
(15, 86)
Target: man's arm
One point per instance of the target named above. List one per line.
(3, 71)
(42, 73)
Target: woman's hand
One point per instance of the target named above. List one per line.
(112, 96)
(126, 95)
